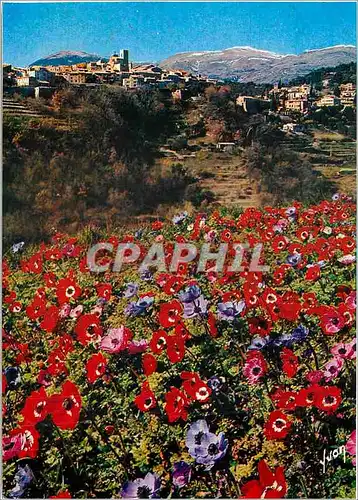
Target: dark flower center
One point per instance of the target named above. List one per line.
(310, 397)
(39, 407)
(148, 402)
(198, 437)
(335, 321)
(115, 341)
(67, 404)
(256, 370)
(280, 423)
(213, 449)
(143, 492)
(342, 350)
(329, 400)
(9, 446)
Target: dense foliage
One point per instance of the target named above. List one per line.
(285, 175)
(94, 161)
(146, 384)
(343, 73)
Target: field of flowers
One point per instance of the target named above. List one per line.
(144, 384)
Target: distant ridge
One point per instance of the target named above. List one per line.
(248, 64)
(66, 57)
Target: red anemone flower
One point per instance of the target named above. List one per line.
(36, 308)
(169, 313)
(175, 348)
(30, 445)
(62, 494)
(289, 362)
(328, 398)
(96, 367)
(308, 395)
(66, 406)
(195, 388)
(313, 273)
(145, 401)
(36, 407)
(287, 400)
(104, 290)
(176, 405)
(269, 485)
(259, 325)
(331, 321)
(88, 328)
(149, 363)
(277, 425)
(158, 342)
(50, 319)
(67, 289)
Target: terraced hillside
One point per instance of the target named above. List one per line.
(225, 176)
(15, 108)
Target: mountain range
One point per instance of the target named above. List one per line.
(247, 64)
(66, 57)
(244, 64)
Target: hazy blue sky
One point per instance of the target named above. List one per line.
(153, 31)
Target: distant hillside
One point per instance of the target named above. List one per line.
(343, 73)
(247, 64)
(66, 57)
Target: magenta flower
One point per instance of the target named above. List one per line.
(116, 340)
(65, 310)
(333, 368)
(12, 445)
(314, 376)
(351, 446)
(137, 346)
(345, 351)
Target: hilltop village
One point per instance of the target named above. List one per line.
(43, 81)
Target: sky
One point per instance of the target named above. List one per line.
(154, 31)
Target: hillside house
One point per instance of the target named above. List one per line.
(328, 100)
(293, 127)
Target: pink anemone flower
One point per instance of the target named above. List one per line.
(116, 340)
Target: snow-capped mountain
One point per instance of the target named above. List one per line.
(66, 57)
(247, 64)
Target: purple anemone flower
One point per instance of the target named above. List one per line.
(198, 307)
(300, 333)
(146, 275)
(259, 343)
(17, 247)
(131, 290)
(140, 307)
(207, 448)
(13, 377)
(284, 340)
(181, 474)
(177, 219)
(290, 211)
(23, 479)
(229, 310)
(190, 294)
(294, 259)
(195, 433)
(138, 234)
(147, 487)
(215, 383)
